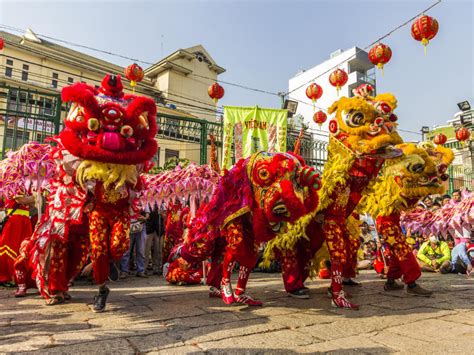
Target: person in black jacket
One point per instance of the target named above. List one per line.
(154, 241)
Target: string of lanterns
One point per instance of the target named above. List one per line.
(423, 29)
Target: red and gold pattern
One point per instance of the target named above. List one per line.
(338, 78)
(380, 55)
(363, 139)
(253, 201)
(134, 73)
(215, 92)
(183, 273)
(424, 29)
(440, 139)
(417, 173)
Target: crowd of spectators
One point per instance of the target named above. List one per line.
(433, 253)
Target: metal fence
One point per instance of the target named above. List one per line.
(31, 115)
(460, 177)
(27, 115)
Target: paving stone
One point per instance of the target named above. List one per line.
(266, 341)
(147, 315)
(347, 345)
(228, 330)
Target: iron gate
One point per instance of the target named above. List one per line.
(27, 115)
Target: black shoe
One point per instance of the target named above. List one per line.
(113, 272)
(301, 294)
(351, 282)
(100, 300)
(393, 286)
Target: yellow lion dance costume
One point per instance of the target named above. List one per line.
(363, 135)
(404, 181)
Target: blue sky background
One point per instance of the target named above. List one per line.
(264, 43)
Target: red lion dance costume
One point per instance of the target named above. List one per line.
(108, 138)
(251, 203)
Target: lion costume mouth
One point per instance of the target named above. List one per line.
(386, 152)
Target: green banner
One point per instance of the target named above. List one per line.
(252, 129)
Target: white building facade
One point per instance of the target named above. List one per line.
(354, 62)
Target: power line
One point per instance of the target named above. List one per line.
(135, 59)
(367, 47)
(222, 81)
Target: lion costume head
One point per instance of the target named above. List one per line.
(365, 124)
(419, 172)
(108, 126)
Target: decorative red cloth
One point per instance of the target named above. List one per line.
(15, 231)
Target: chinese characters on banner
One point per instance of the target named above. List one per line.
(252, 129)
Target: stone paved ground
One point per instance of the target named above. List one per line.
(146, 315)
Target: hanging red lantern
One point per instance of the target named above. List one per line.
(338, 78)
(320, 117)
(424, 29)
(215, 92)
(380, 55)
(462, 135)
(440, 139)
(134, 73)
(314, 92)
(2, 43)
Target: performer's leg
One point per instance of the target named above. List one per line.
(291, 272)
(226, 287)
(21, 276)
(57, 273)
(98, 233)
(240, 295)
(352, 247)
(334, 232)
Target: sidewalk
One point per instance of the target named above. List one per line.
(148, 315)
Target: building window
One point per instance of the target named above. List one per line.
(46, 107)
(8, 72)
(24, 72)
(16, 103)
(15, 138)
(156, 158)
(54, 82)
(9, 62)
(170, 153)
(70, 80)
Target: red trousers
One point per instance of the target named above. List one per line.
(402, 261)
(295, 263)
(109, 237)
(15, 231)
(53, 266)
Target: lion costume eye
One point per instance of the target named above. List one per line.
(262, 174)
(355, 119)
(416, 168)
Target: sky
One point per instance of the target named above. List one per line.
(262, 44)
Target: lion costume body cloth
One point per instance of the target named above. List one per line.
(363, 133)
(405, 180)
(251, 203)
